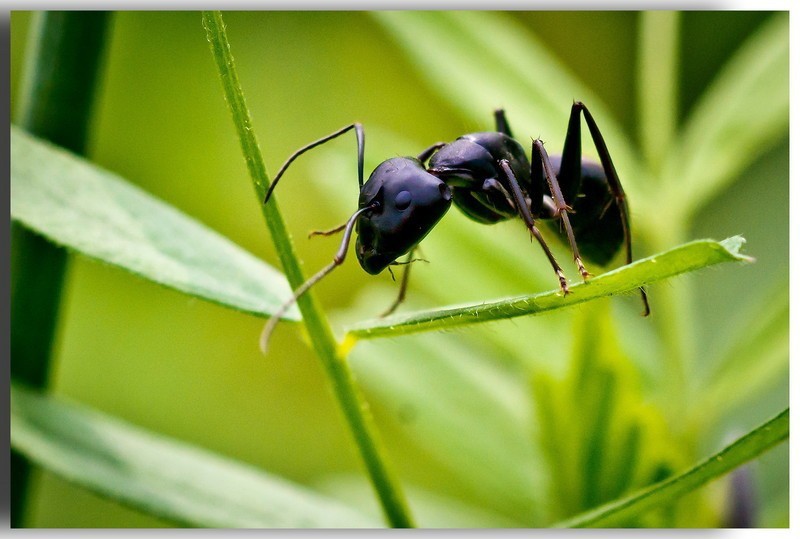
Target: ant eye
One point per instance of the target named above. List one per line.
(403, 200)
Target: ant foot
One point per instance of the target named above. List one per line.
(581, 268)
(563, 281)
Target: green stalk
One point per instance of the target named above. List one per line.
(353, 404)
(61, 72)
(657, 83)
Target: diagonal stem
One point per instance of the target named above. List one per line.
(345, 389)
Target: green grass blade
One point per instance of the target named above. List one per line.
(740, 116)
(688, 257)
(352, 403)
(666, 492)
(92, 211)
(161, 476)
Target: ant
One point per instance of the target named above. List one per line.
(488, 176)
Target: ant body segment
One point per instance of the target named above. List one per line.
(490, 179)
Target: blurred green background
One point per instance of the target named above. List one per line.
(192, 370)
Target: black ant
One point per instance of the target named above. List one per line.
(488, 176)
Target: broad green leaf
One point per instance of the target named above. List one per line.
(744, 111)
(688, 257)
(161, 476)
(479, 61)
(92, 211)
(666, 492)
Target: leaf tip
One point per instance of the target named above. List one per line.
(734, 246)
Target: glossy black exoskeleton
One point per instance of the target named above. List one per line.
(488, 176)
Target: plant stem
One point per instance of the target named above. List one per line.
(61, 72)
(674, 319)
(350, 399)
(657, 83)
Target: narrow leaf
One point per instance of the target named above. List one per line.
(688, 257)
(161, 476)
(740, 116)
(79, 205)
(666, 492)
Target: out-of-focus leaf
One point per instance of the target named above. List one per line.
(668, 491)
(744, 111)
(479, 61)
(431, 510)
(688, 257)
(78, 205)
(658, 88)
(600, 436)
(163, 477)
(470, 416)
(754, 363)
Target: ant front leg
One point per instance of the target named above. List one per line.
(338, 260)
(401, 295)
(540, 161)
(525, 214)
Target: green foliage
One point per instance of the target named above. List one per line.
(96, 213)
(663, 493)
(588, 410)
(161, 476)
(691, 256)
(601, 439)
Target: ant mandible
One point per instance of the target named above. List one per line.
(488, 177)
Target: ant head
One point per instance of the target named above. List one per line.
(409, 202)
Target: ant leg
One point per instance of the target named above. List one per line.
(525, 213)
(428, 152)
(359, 140)
(614, 184)
(569, 174)
(338, 259)
(501, 123)
(401, 295)
(329, 232)
(493, 185)
(539, 156)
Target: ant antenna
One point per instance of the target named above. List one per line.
(338, 259)
(359, 140)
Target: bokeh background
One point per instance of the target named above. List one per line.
(192, 370)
